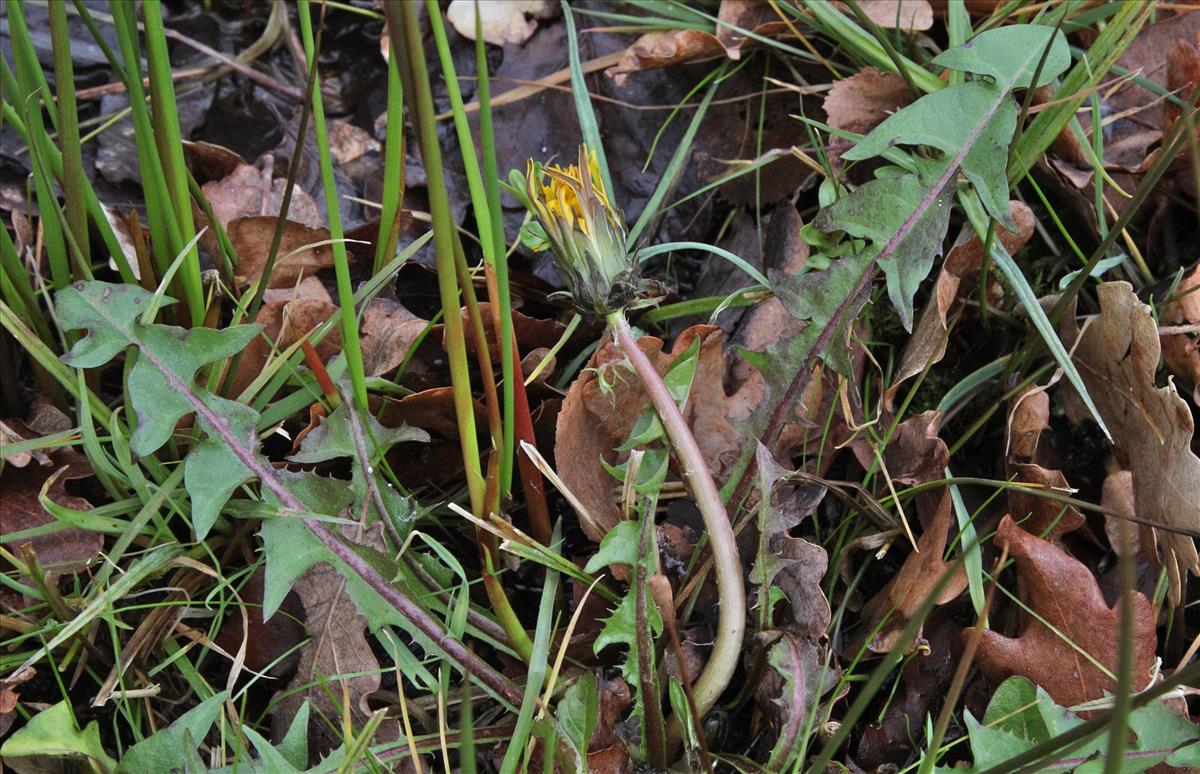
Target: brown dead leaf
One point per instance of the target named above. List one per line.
(593, 422)
(755, 15)
(440, 460)
(915, 454)
(663, 49)
(900, 599)
(1139, 121)
(1181, 351)
(208, 161)
(607, 752)
(1042, 516)
(271, 644)
(248, 192)
(44, 419)
(671, 47)
(924, 682)
(286, 315)
(338, 647)
(348, 142)
(1117, 495)
(793, 564)
(927, 344)
(1151, 427)
(907, 15)
(1066, 596)
(9, 697)
(386, 330)
(529, 332)
(61, 549)
(1030, 415)
(1183, 75)
(302, 252)
(860, 102)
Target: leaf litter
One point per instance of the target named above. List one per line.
(843, 552)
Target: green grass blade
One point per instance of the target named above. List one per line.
(393, 170)
(538, 664)
(73, 181)
(170, 148)
(755, 274)
(588, 125)
(670, 176)
(351, 345)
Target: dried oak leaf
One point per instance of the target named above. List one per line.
(907, 15)
(1030, 415)
(338, 657)
(1117, 494)
(1065, 595)
(915, 454)
(1117, 356)
(1181, 351)
(900, 599)
(386, 330)
(1041, 515)
(302, 252)
(593, 422)
(671, 47)
(927, 344)
(860, 102)
(64, 548)
(248, 192)
(208, 161)
(663, 49)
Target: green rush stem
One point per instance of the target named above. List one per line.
(731, 622)
(170, 148)
(73, 179)
(488, 545)
(406, 44)
(393, 171)
(1123, 700)
(511, 375)
(351, 345)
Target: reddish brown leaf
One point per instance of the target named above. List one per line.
(338, 654)
(593, 422)
(1117, 356)
(860, 102)
(1066, 596)
(208, 161)
(664, 49)
(301, 253)
(1181, 353)
(1041, 515)
(64, 548)
(440, 460)
(9, 697)
(955, 280)
(904, 593)
(1029, 417)
(386, 330)
(671, 47)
